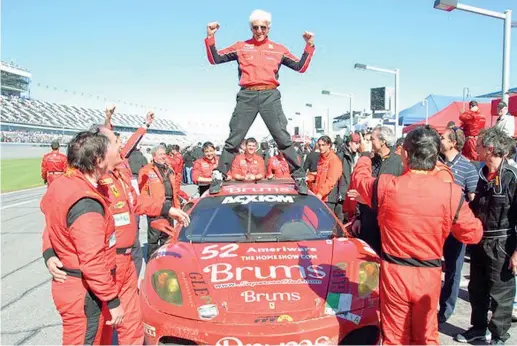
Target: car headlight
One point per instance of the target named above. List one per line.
(368, 278)
(166, 285)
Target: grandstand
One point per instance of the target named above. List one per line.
(35, 121)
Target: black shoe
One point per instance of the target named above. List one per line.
(473, 334)
(301, 186)
(217, 182)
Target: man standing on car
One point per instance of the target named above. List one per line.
(417, 211)
(259, 60)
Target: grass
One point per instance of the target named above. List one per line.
(18, 174)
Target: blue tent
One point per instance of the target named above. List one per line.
(435, 103)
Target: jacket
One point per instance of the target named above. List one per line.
(80, 232)
(203, 168)
(153, 183)
(472, 122)
(329, 172)
(278, 167)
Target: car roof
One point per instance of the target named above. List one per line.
(261, 187)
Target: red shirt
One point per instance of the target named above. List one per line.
(472, 122)
(203, 168)
(278, 167)
(53, 163)
(259, 62)
(248, 164)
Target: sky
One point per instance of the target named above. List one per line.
(152, 52)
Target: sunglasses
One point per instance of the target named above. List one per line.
(263, 27)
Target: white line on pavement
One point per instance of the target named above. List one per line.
(17, 204)
(20, 191)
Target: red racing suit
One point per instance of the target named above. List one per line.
(412, 246)
(53, 165)
(244, 164)
(259, 62)
(277, 167)
(471, 123)
(330, 169)
(80, 232)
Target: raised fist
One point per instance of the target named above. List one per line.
(308, 37)
(149, 117)
(110, 109)
(211, 29)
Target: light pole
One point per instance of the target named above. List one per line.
(349, 95)
(426, 103)
(466, 94)
(303, 123)
(449, 5)
(396, 73)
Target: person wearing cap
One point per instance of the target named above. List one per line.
(259, 61)
(472, 121)
(54, 164)
(505, 122)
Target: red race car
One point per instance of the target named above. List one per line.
(261, 265)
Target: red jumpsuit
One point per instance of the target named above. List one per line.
(471, 123)
(124, 204)
(412, 246)
(53, 165)
(277, 167)
(203, 169)
(245, 164)
(330, 169)
(80, 232)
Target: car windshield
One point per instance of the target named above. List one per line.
(259, 218)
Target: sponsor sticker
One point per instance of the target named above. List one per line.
(356, 319)
(224, 272)
(338, 302)
(233, 341)
(106, 181)
(112, 241)
(149, 330)
(121, 219)
(246, 199)
(119, 205)
(114, 190)
(271, 297)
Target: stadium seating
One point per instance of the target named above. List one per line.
(15, 110)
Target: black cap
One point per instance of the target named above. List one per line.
(502, 104)
(473, 103)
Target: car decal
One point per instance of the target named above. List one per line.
(246, 199)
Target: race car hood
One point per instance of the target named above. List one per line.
(253, 282)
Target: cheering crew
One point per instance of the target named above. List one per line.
(248, 166)
(203, 167)
(81, 232)
(53, 164)
(259, 60)
(413, 237)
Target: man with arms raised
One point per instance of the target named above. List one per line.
(259, 60)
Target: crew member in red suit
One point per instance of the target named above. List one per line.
(81, 234)
(248, 166)
(277, 167)
(472, 121)
(157, 180)
(203, 167)
(259, 61)
(54, 164)
(124, 204)
(413, 236)
(330, 170)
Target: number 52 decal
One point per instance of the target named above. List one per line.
(225, 251)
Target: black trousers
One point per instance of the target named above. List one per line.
(490, 278)
(155, 238)
(337, 208)
(268, 104)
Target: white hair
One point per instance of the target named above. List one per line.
(259, 15)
